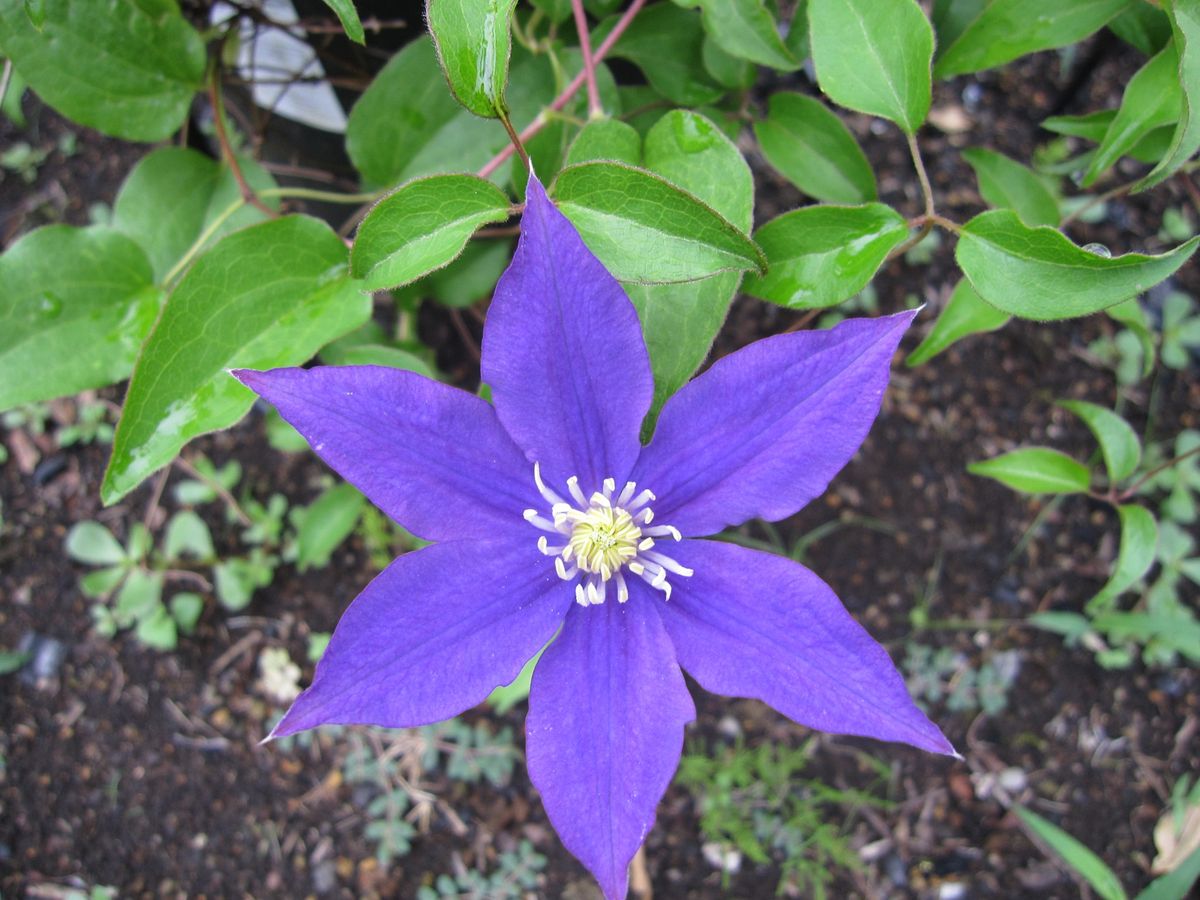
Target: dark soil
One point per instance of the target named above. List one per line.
(142, 770)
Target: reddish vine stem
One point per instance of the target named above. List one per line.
(218, 106)
(515, 138)
(589, 65)
(568, 92)
(1133, 488)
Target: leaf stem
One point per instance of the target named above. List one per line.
(224, 215)
(1118, 191)
(205, 236)
(595, 110)
(515, 138)
(1133, 488)
(569, 91)
(326, 196)
(925, 222)
(922, 176)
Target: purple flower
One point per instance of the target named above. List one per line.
(554, 523)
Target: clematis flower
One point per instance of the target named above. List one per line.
(555, 525)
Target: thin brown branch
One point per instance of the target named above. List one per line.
(218, 107)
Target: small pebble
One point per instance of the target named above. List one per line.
(46, 655)
(49, 469)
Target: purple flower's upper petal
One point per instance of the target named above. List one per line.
(749, 624)
(766, 428)
(433, 635)
(432, 457)
(605, 729)
(563, 352)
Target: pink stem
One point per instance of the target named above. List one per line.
(568, 92)
(589, 66)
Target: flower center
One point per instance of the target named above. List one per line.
(597, 538)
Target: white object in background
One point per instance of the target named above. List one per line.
(275, 55)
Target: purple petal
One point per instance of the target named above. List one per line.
(563, 352)
(605, 729)
(765, 429)
(750, 624)
(433, 635)
(433, 457)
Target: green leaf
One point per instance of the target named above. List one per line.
(128, 68)
(1119, 443)
(1070, 625)
(505, 697)
(471, 277)
(1006, 184)
(237, 580)
(186, 609)
(873, 56)
(646, 230)
(557, 11)
(188, 535)
(422, 226)
(950, 18)
(1144, 27)
(797, 34)
(745, 29)
(822, 255)
(1035, 470)
(667, 44)
(474, 42)
(157, 630)
(408, 124)
(609, 139)
(1074, 854)
(1152, 99)
(809, 146)
(679, 321)
(327, 522)
(965, 314)
(12, 660)
(727, 70)
(1037, 273)
(380, 355)
(174, 194)
(1006, 29)
(1133, 317)
(348, 16)
(268, 295)
(102, 581)
(1139, 545)
(92, 543)
(139, 597)
(1094, 126)
(1176, 884)
(75, 305)
(1185, 140)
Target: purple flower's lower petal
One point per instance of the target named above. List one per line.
(605, 729)
(766, 428)
(432, 457)
(750, 624)
(433, 635)
(563, 352)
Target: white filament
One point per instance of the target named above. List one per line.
(601, 536)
